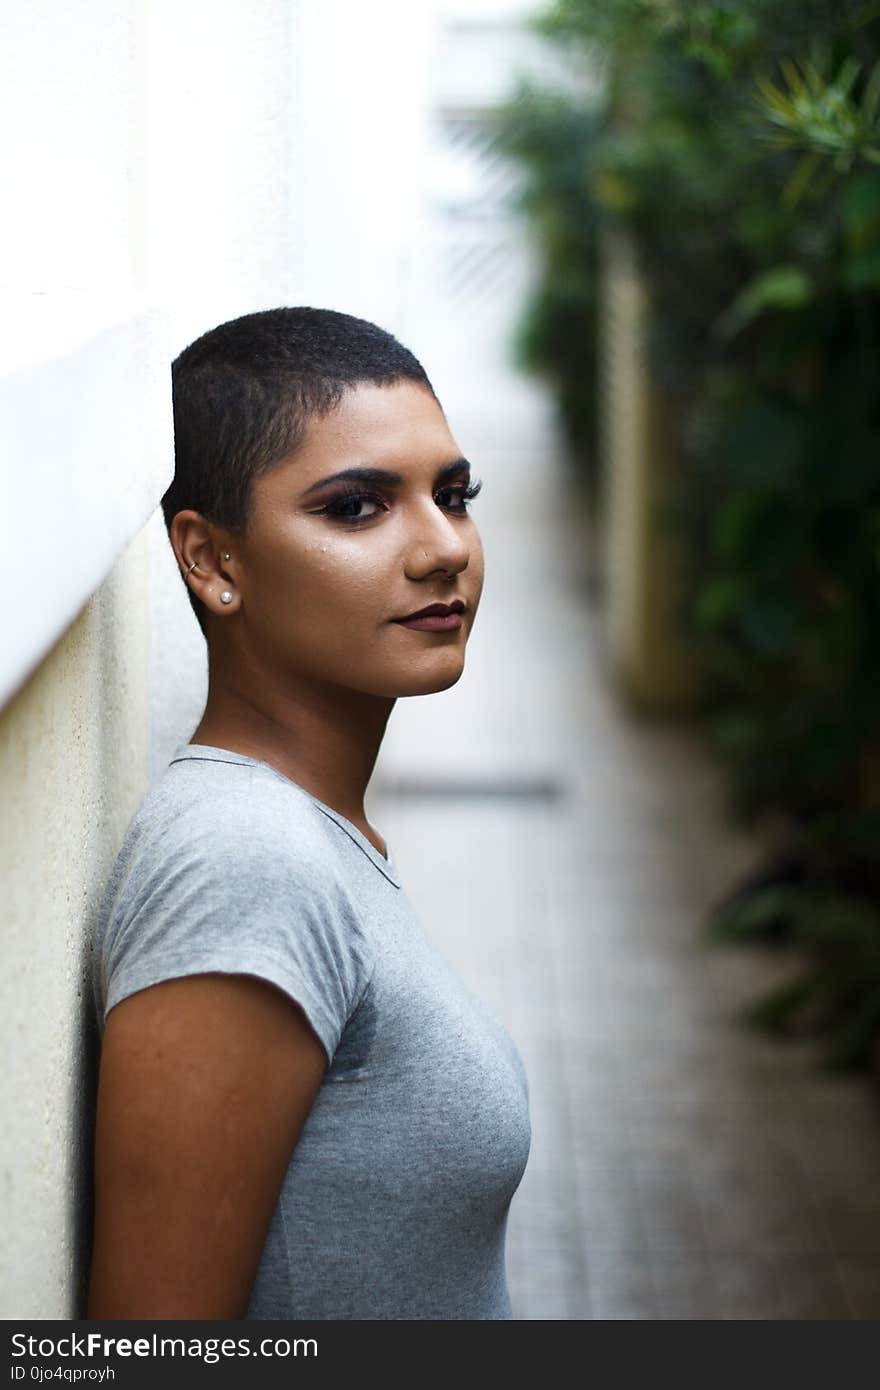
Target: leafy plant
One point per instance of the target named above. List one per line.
(837, 992)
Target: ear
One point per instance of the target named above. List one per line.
(204, 560)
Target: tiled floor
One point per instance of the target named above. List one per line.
(681, 1167)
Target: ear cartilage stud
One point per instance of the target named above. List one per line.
(226, 596)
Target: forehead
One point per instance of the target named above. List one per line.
(401, 426)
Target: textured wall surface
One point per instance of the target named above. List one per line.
(73, 764)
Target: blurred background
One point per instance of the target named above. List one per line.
(636, 245)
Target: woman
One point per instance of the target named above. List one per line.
(302, 1111)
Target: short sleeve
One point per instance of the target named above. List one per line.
(236, 894)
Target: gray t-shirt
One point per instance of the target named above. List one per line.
(395, 1202)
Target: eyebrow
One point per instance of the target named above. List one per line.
(384, 477)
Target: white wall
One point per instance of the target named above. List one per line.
(78, 362)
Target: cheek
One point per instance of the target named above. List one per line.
(339, 576)
(356, 574)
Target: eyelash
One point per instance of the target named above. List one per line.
(466, 491)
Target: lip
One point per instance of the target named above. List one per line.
(440, 610)
(436, 617)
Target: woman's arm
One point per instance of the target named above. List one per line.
(205, 1083)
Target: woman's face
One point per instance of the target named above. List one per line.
(326, 568)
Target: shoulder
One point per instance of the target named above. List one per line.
(227, 869)
(234, 823)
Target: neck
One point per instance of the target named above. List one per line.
(324, 738)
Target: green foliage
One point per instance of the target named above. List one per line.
(815, 109)
(739, 142)
(763, 914)
(836, 993)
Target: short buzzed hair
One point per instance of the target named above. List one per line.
(243, 394)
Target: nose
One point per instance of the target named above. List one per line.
(438, 544)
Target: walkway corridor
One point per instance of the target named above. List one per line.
(563, 856)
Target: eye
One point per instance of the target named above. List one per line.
(349, 507)
(464, 492)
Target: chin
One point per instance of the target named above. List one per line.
(426, 682)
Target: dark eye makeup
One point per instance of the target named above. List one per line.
(350, 497)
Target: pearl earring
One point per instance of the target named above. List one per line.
(226, 596)
(226, 555)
